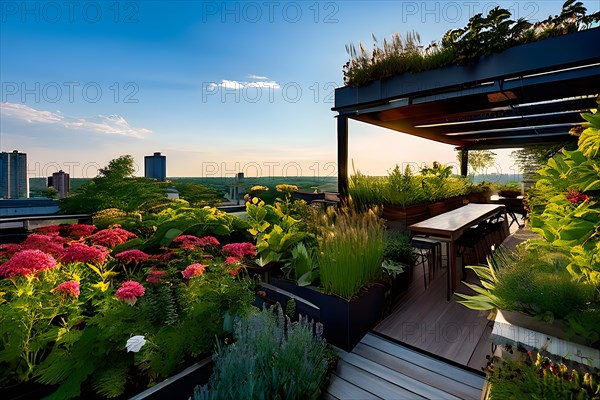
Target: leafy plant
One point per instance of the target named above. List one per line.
(272, 358)
(275, 230)
(540, 378)
(302, 267)
(404, 189)
(351, 251)
(535, 281)
(398, 251)
(493, 33)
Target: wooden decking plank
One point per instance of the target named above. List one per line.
(397, 378)
(328, 396)
(429, 322)
(373, 384)
(425, 361)
(344, 390)
(428, 377)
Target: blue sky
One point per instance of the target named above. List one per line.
(218, 87)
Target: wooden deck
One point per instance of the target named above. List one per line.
(378, 368)
(425, 320)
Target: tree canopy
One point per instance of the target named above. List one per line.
(479, 159)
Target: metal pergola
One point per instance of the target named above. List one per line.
(528, 94)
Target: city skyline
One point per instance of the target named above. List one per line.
(217, 87)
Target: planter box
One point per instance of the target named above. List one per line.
(516, 328)
(180, 386)
(344, 322)
(452, 203)
(405, 215)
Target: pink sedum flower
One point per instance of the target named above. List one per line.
(9, 249)
(78, 231)
(52, 230)
(129, 292)
(79, 252)
(209, 241)
(239, 250)
(68, 289)
(111, 237)
(193, 271)
(192, 242)
(27, 262)
(156, 276)
(134, 255)
(54, 245)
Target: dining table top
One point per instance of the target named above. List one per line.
(457, 219)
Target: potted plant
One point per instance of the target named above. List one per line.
(510, 190)
(349, 296)
(406, 198)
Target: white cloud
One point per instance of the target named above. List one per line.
(107, 125)
(257, 82)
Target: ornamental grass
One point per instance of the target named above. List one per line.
(351, 251)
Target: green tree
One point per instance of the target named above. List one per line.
(478, 159)
(119, 168)
(531, 158)
(115, 187)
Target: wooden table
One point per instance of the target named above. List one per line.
(450, 226)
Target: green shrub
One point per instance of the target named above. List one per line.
(271, 358)
(540, 379)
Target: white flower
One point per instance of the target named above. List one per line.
(135, 343)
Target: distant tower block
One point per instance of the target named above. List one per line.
(236, 190)
(155, 167)
(13, 175)
(61, 182)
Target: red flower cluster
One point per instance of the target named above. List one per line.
(191, 242)
(209, 241)
(193, 271)
(239, 250)
(111, 237)
(129, 292)
(575, 197)
(134, 255)
(68, 289)
(78, 231)
(48, 244)
(233, 265)
(9, 249)
(74, 231)
(156, 276)
(79, 252)
(52, 230)
(164, 257)
(27, 262)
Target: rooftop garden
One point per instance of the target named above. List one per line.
(483, 35)
(112, 308)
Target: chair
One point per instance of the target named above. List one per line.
(429, 250)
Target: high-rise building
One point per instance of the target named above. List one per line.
(13, 175)
(155, 166)
(61, 182)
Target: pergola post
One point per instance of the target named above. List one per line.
(342, 154)
(464, 162)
